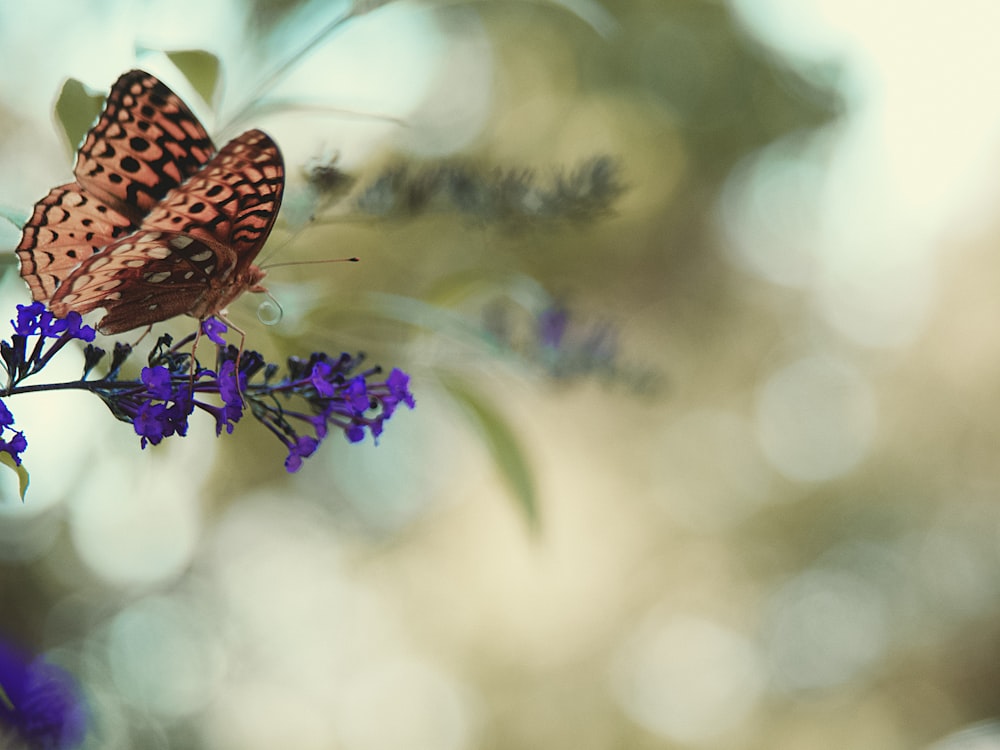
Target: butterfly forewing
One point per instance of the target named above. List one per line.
(145, 143)
(231, 203)
(68, 226)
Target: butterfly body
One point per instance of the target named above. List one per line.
(157, 224)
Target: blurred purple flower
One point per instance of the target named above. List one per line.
(552, 324)
(45, 709)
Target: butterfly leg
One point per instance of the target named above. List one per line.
(144, 334)
(194, 349)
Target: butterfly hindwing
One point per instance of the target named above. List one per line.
(144, 278)
(145, 143)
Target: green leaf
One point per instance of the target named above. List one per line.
(22, 474)
(5, 700)
(76, 110)
(504, 448)
(201, 68)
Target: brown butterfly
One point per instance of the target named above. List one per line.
(156, 224)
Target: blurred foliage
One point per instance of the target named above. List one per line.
(201, 68)
(22, 473)
(504, 447)
(76, 110)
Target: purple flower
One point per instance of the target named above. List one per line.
(229, 383)
(27, 318)
(398, 384)
(6, 418)
(356, 395)
(34, 319)
(157, 381)
(15, 446)
(319, 377)
(150, 423)
(232, 399)
(214, 328)
(159, 412)
(304, 447)
(48, 711)
(75, 328)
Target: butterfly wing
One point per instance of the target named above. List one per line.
(67, 226)
(231, 202)
(193, 254)
(142, 279)
(145, 143)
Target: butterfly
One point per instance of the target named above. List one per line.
(157, 223)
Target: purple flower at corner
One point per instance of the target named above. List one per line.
(214, 328)
(45, 708)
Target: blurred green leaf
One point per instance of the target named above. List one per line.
(201, 68)
(22, 474)
(5, 699)
(504, 448)
(76, 110)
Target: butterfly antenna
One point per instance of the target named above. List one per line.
(355, 259)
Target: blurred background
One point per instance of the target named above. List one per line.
(748, 500)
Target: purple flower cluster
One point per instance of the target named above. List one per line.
(40, 703)
(316, 396)
(50, 334)
(321, 393)
(300, 409)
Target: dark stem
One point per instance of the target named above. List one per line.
(77, 385)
